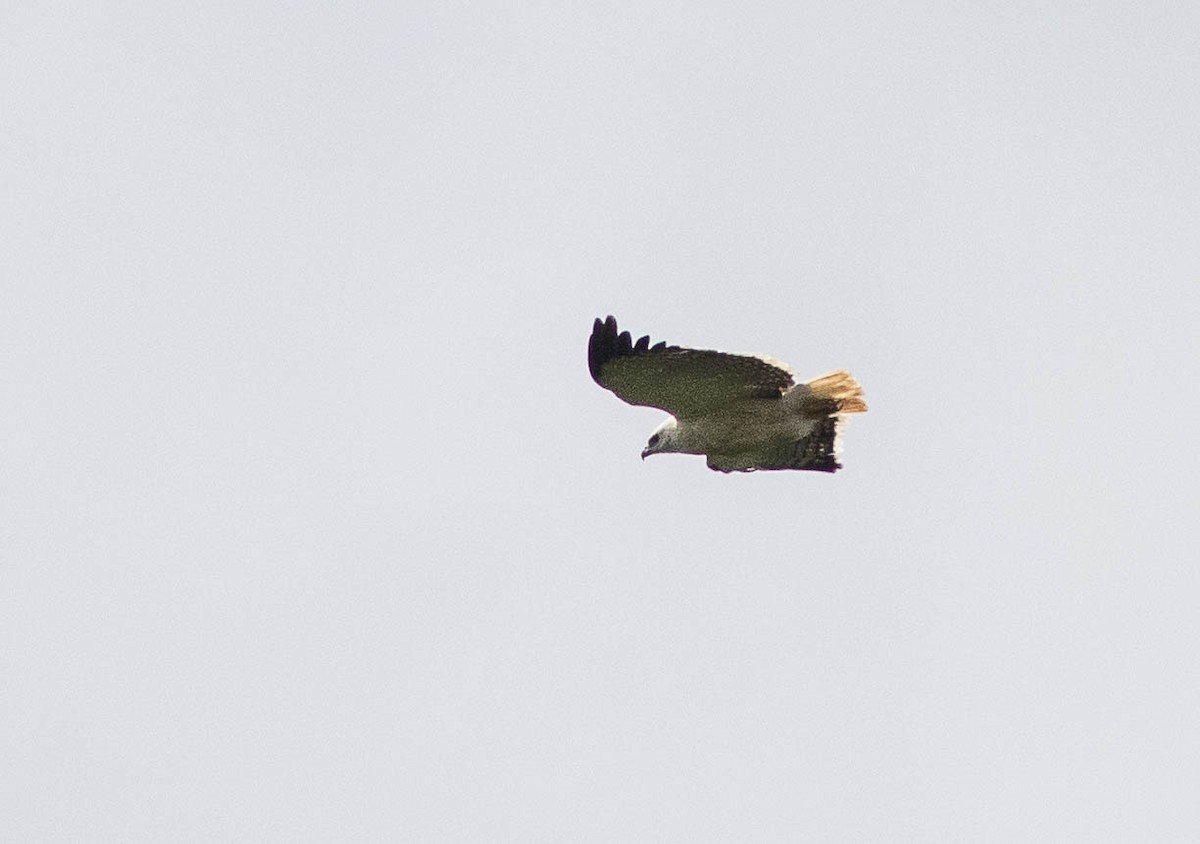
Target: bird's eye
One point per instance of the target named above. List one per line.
(654, 440)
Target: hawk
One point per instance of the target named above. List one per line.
(743, 412)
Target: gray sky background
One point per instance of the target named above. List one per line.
(314, 526)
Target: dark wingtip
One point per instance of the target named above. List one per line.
(602, 346)
(817, 451)
(607, 343)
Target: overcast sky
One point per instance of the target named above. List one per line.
(313, 525)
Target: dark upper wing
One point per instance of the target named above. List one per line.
(683, 382)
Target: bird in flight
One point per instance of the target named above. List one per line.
(743, 412)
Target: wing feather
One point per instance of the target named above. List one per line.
(816, 451)
(683, 382)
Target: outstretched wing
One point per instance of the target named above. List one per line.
(816, 451)
(683, 382)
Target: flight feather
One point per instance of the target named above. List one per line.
(683, 382)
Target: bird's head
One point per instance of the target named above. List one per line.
(663, 439)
